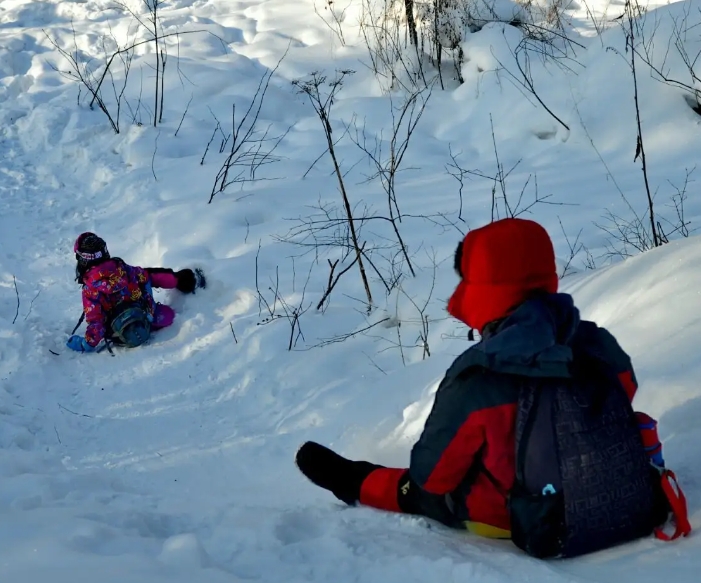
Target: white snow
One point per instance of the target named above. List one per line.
(174, 462)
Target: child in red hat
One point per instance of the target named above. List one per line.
(463, 468)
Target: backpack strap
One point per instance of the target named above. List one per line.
(677, 503)
(80, 321)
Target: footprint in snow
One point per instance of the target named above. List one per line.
(545, 134)
(299, 526)
(91, 538)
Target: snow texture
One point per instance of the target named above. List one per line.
(174, 462)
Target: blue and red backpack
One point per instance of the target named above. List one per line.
(589, 470)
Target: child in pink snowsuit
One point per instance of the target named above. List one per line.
(109, 284)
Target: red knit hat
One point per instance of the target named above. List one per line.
(501, 264)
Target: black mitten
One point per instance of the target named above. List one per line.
(330, 471)
(186, 281)
(189, 280)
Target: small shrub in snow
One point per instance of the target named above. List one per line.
(107, 88)
(402, 34)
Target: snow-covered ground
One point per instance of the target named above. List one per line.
(174, 462)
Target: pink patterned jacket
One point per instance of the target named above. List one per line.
(105, 286)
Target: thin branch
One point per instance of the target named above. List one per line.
(73, 412)
(640, 148)
(135, 45)
(344, 337)
(214, 133)
(14, 279)
(333, 281)
(153, 158)
(183, 118)
(251, 147)
(31, 304)
(375, 364)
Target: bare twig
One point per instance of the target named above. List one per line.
(14, 279)
(31, 304)
(261, 297)
(73, 412)
(459, 173)
(322, 106)
(292, 313)
(645, 52)
(609, 174)
(344, 337)
(574, 248)
(387, 166)
(334, 280)
(589, 261)
(80, 72)
(640, 147)
(678, 201)
(337, 19)
(528, 82)
(183, 119)
(423, 337)
(251, 146)
(214, 133)
(164, 58)
(377, 366)
(153, 158)
(398, 328)
(423, 321)
(381, 28)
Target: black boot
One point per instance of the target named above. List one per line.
(333, 472)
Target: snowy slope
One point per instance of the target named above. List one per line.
(174, 462)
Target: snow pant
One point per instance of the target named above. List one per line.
(390, 489)
(163, 317)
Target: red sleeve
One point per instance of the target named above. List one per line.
(629, 383)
